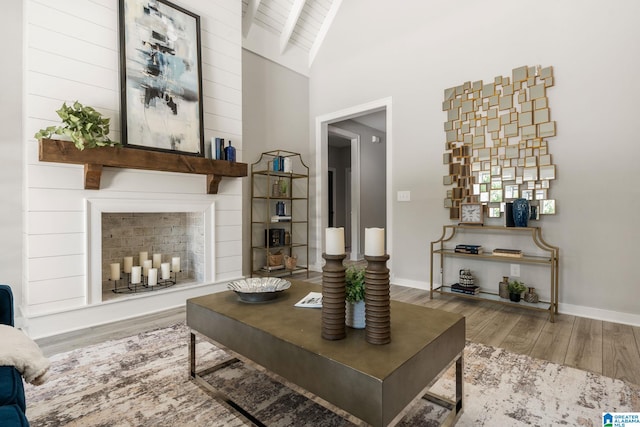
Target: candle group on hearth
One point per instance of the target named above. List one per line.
(152, 268)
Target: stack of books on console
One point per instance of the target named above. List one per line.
(465, 289)
(512, 253)
(468, 249)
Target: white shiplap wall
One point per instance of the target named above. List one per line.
(72, 54)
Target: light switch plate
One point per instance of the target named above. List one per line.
(515, 270)
(404, 196)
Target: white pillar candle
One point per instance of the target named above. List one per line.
(128, 263)
(175, 264)
(135, 274)
(115, 271)
(157, 260)
(143, 257)
(153, 276)
(374, 241)
(146, 266)
(164, 269)
(334, 241)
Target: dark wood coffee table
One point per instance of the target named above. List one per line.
(374, 383)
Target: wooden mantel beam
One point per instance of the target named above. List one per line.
(94, 159)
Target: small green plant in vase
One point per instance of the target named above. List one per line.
(354, 281)
(516, 288)
(81, 124)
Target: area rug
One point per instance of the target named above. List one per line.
(143, 380)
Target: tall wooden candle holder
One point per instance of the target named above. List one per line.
(377, 300)
(333, 297)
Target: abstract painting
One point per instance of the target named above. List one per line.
(160, 77)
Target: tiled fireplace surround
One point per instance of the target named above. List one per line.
(120, 227)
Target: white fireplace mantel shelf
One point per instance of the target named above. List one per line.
(51, 150)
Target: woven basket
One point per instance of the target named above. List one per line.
(275, 259)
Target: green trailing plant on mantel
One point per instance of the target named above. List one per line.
(354, 279)
(83, 125)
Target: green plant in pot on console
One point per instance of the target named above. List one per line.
(516, 288)
(83, 125)
(354, 280)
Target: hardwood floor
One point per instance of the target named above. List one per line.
(606, 348)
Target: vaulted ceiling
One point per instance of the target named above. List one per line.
(289, 32)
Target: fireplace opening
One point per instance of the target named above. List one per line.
(167, 235)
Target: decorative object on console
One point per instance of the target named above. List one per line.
(496, 147)
(508, 215)
(520, 212)
(516, 288)
(355, 287)
(465, 289)
(83, 125)
(161, 77)
(468, 249)
(531, 295)
(503, 287)
(471, 213)
(466, 278)
(510, 253)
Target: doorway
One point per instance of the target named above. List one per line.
(357, 216)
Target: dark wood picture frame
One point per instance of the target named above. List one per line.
(161, 104)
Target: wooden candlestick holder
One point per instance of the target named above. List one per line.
(377, 300)
(333, 297)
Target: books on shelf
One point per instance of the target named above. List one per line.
(468, 249)
(461, 289)
(281, 218)
(513, 253)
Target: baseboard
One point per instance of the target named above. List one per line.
(573, 310)
(600, 314)
(47, 325)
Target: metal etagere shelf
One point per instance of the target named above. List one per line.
(279, 214)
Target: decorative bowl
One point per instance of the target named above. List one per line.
(258, 289)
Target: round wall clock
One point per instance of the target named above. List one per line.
(471, 213)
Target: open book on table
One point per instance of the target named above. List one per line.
(312, 300)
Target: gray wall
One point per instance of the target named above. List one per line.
(340, 159)
(275, 114)
(376, 50)
(373, 177)
(11, 173)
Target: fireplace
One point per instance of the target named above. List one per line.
(119, 228)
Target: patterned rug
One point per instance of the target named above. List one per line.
(143, 381)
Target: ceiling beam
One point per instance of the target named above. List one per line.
(290, 25)
(247, 19)
(324, 29)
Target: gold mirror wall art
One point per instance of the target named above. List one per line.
(495, 142)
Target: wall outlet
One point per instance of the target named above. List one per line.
(404, 196)
(515, 270)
